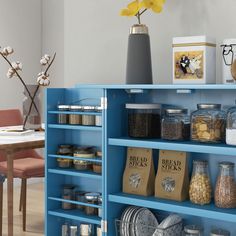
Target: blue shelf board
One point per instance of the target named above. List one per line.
(75, 215)
(94, 160)
(187, 146)
(75, 127)
(78, 173)
(74, 202)
(186, 207)
(76, 113)
(159, 86)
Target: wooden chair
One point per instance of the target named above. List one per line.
(27, 163)
(2, 179)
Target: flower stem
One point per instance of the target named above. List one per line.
(138, 17)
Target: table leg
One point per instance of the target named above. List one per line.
(10, 192)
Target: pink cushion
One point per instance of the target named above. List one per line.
(25, 168)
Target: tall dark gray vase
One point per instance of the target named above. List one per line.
(139, 63)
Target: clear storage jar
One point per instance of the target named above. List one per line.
(75, 119)
(200, 185)
(63, 118)
(208, 123)
(192, 230)
(91, 198)
(68, 194)
(175, 124)
(144, 120)
(231, 126)
(225, 190)
(86, 118)
(65, 150)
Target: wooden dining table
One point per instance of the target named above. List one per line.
(11, 144)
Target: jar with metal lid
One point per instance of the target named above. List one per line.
(192, 230)
(75, 119)
(63, 118)
(68, 194)
(83, 152)
(99, 231)
(73, 230)
(86, 118)
(231, 126)
(219, 232)
(97, 166)
(91, 198)
(100, 204)
(200, 185)
(144, 120)
(85, 230)
(98, 118)
(225, 190)
(79, 196)
(175, 124)
(65, 150)
(208, 123)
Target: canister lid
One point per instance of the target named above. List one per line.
(226, 164)
(64, 107)
(176, 111)
(194, 40)
(143, 106)
(75, 107)
(192, 229)
(208, 106)
(220, 232)
(200, 162)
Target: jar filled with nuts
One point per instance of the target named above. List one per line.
(208, 123)
(225, 191)
(200, 186)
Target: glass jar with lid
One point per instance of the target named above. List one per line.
(63, 118)
(75, 119)
(98, 117)
(200, 185)
(192, 230)
(91, 198)
(144, 120)
(86, 118)
(175, 124)
(208, 123)
(219, 232)
(68, 194)
(65, 150)
(225, 190)
(231, 126)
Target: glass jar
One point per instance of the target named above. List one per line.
(144, 120)
(192, 230)
(65, 150)
(91, 198)
(208, 123)
(85, 230)
(68, 194)
(86, 118)
(225, 191)
(79, 196)
(63, 118)
(100, 204)
(219, 232)
(83, 152)
(98, 118)
(200, 185)
(75, 119)
(231, 126)
(97, 167)
(175, 125)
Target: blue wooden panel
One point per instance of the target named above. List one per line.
(75, 127)
(93, 160)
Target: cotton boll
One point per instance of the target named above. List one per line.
(10, 50)
(47, 57)
(14, 65)
(43, 61)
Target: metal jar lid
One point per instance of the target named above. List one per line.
(143, 106)
(226, 164)
(192, 229)
(63, 107)
(139, 29)
(88, 108)
(92, 196)
(176, 111)
(220, 232)
(75, 107)
(98, 108)
(208, 106)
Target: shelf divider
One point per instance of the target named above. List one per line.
(94, 160)
(75, 127)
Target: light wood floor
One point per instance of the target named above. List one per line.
(35, 211)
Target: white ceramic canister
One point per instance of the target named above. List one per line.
(229, 61)
(194, 60)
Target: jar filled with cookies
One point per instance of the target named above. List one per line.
(225, 191)
(200, 185)
(208, 123)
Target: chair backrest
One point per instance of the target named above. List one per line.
(13, 117)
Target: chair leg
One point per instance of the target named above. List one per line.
(21, 192)
(24, 192)
(1, 200)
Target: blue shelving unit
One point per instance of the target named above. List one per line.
(113, 138)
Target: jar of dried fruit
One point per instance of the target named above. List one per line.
(225, 191)
(208, 123)
(200, 185)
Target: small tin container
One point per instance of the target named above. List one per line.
(73, 230)
(91, 198)
(75, 119)
(63, 118)
(88, 120)
(219, 232)
(85, 230)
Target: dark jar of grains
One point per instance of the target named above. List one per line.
(175, 125)
(144, 120)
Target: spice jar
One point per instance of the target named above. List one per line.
(208, 123)
(79, 196)
(99, 231)
(144, 120)
(231, 126)
(85, 230)
(219, 232)
(200, 186)
(100, 204)
(98, 118)
(86, 118)
(175, 125)
(97, 167)
(68, 194)
(83, 152)
(75, 119)
(91, 198)
(225, 191)
(192, 230)
(62, 118)
(65, 150)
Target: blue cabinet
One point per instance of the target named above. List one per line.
(113, 139)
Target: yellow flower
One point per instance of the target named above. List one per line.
(132, 9)
(155, 5)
